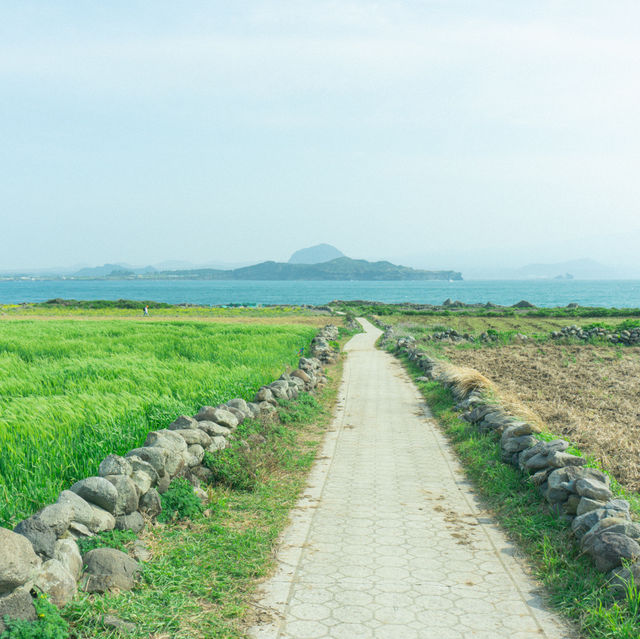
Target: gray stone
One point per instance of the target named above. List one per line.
(541, 477)
(218, 415)
(570, 474)
(280, 389)
(560, 459)
(57, 517)
(163, 484)
(154, 455)
(195, 436)
(127, 500)
(56, 582)
(536, 462)
(18, 560)
(586, 505)
(114, 465)
(184, 422)
(254, 409)
(266, 408)
(617, 504)
(142, 481)
(98, 491)
(593, 489)
(571, 505)
(140, 551)
(133, 521)
(239, 404)
(213, 430)
(584, 523)
(517, 444)
(81, 509)
(138, 464)
(17, 605)
(238, 414)
(609, 549)
(556, 495)
(543, 449)
(217, 443)
(109, 569)
(517, 429)
(150, 503)
(168, 439)
(101, 520)
(78, 530)
(118, 624)
(68, 554)
(41, 536)
(300, 374)
(623, 578)
(195, 455)
(265, 395)
(616, 525)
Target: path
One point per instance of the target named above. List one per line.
(388, 540)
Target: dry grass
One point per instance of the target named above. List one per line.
(591, 394)
(463, 379)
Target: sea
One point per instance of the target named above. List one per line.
(544, 293)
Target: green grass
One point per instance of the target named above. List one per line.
(574, 587)
(432, 311)
(203, 571)
(134, 308)
(72, 392)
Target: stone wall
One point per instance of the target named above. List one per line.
(41, 553)
(601, 523)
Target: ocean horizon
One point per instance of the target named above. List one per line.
(543, 293)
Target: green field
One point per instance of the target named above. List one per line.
(72, 392)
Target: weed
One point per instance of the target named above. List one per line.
(179, 502)
(117, 539)
(48, 625)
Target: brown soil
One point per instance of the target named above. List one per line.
(591, 394)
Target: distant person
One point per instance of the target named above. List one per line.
(301, 352)
(146, 311)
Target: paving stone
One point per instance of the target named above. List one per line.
(387, 540)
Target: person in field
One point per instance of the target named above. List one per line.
(146, 311)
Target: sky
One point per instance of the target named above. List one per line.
(438, 133)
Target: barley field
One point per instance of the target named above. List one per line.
(72, 392)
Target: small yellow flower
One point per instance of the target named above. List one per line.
(41, 614)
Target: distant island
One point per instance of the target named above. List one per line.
(342, 268)
(305, 264)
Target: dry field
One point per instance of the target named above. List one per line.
(590, 394)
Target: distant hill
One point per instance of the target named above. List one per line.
(342, 268)
(316, 254)
(114, 270)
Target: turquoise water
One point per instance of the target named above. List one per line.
(610, 293)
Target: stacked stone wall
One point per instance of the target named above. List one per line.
(601, 522)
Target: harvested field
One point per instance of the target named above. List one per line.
(590, 394)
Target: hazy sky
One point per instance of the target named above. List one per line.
(438, 131)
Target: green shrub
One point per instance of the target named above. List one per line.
(235, 466)
(48, 625)
(179, 502)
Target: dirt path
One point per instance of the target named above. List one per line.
(388, 540)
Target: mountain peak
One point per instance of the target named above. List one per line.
(316, 254)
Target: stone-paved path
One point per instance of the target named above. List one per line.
(388, 540)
